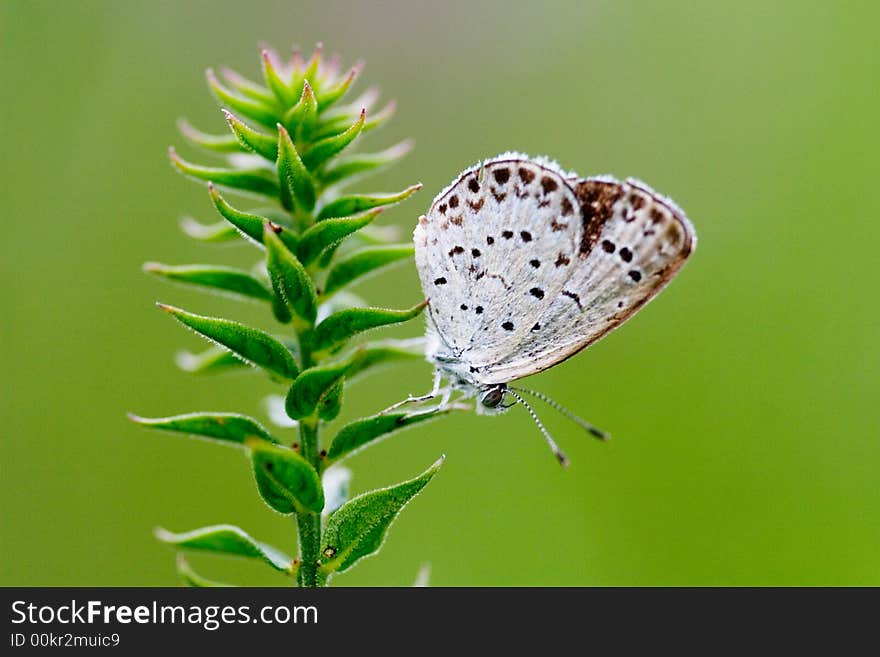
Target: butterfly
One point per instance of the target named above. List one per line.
(524, 265)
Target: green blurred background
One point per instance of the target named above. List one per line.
(743, 402)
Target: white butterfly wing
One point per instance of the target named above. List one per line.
(491, 253)
(638, 241)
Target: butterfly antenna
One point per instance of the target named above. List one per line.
(562, 458)
(586, 426)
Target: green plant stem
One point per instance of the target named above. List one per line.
(308, 522)
(310, 543)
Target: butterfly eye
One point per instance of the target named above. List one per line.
(492, 397)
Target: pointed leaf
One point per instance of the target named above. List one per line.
(314, 384)
(363, 262)
(296, 181)
(300, 119)
(345, 324)
(216, 143)
(381, 117)
(259, 181)
(192, 578)
(253, 140)
(362, 163)
(287, 482)
(213, 233)
(227, 539)
(358, 528)
(223, 279)
(289, 279)
(328, 232)
(224, 427)
(248, 224)
(349, 205)
(327, 98)
(311, 70)
(214, 359)
(332, 122)
(252, 108)
(323, 150)
(247, 87)
(273, 80)
(358, 434)
(250, 344)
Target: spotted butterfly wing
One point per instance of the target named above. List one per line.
(525, 265)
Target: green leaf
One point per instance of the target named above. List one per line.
(192, 578)
(259, 181)
(345, 324)
(300, 119)
(358, 528)
(215, 143)
(360, 433)
(328, 254)
(349, 205)
(250, 344)
(332, 122)
(224, 427)
(273, 80)
(324, 149)
(328, 232)
(315, 384)
(250, 107)
(296, 181)
(213, 233)
(381, 117)
(331, 404)
(248, 224)
(287, 482)
(363, 163)
(228, 539)
(253, 140)
(289, 279)
(363, 262)
(311, 70)
(247, 87)
(326, 99)
(213, 359)
(224, 279)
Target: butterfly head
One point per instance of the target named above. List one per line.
(492, 398)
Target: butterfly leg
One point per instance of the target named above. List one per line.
(435, 390)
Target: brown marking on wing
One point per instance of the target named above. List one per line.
(597, 199)
(567, 209)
